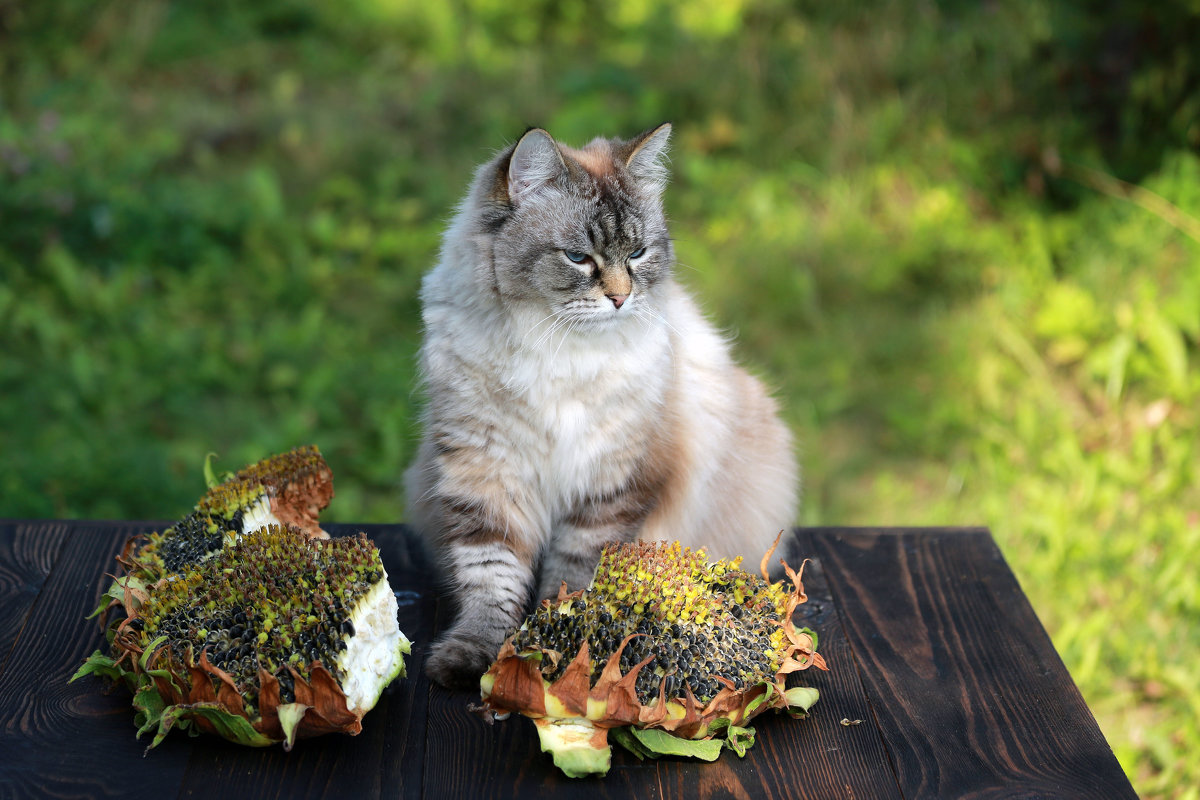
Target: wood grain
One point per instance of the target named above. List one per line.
(402, 760)
(28, 550)
(817, 757)
(931, 643)
(71, 740)
(970, 696)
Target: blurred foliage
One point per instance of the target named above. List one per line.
(960, 239)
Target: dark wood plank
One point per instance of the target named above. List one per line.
(971, 698)
(386, 758)
(848, 756)
(959, 689)
(72, 740)
(818, 757)
(28, 550)
(402, 769)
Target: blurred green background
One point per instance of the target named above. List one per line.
(961, 239)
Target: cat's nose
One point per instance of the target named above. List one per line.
(618, 299)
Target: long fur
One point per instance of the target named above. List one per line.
(559, 417)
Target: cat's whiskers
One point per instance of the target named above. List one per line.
(560, 321)
(653, 314)
(573, 324)
(655, 317)
(646, 316)
(556, 321)
(540, 323)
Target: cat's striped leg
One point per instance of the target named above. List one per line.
(491, 584)
(488, 548)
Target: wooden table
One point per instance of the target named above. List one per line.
(931, 643)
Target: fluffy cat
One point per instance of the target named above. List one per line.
(575, 394)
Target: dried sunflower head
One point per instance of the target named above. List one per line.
(289, 488)
(672, 653)
(245, 620)
(275, 638)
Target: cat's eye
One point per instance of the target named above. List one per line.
(575, 256)
(641, 251)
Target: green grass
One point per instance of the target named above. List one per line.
(213, 224)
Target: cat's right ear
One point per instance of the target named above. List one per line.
(646, 155)
(535, 162)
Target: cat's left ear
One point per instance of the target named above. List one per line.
(647, 156)
(535, 162)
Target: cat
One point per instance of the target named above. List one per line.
(575, 393)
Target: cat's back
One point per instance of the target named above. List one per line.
(734, 473)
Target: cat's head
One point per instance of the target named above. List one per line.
(577, 233)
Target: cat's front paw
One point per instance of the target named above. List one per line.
(457, 660)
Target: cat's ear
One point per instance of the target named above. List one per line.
(647, 155)
(535, 162)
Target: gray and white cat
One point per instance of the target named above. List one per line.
(576, 395)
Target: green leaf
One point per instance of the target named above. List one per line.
(230, 726)
(115, 595)
(148, 705)
(717, 725)
(800, 699)
(149, 651)
(812, 634)
(660, 743)
(625, 738)
(739, 739)
(211, 478)
(170, 717)
(165, 675)
(758, 701)
(577, 746)
(98, 664)
(114, 592)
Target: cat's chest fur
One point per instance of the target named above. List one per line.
(593, 407)
(579, 412)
